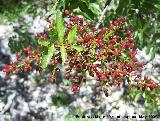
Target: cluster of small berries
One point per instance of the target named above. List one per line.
(109, 56)
(24, 62)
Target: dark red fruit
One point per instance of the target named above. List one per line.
(75, 88)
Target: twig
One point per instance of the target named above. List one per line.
(9, 103)
(102, 16)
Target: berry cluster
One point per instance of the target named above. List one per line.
(24, 62)
(108, 55)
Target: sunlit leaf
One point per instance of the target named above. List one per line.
(60, 27)
(78, 47)
(45, 59)
(63, 54)
(72, 34)
(43, 42)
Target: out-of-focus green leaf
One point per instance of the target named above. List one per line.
(45, 59)
(43, 42)
(63, 54)
(85, 8)
(60, 27)
(153, 53)
(78, 47)
(148, 48)
(95, 8)
(140, 36)
(157, 6)
(72, 34)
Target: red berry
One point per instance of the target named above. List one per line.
(116, 52)
(94, 29)
(135, 59)
(128, 64)
(154, 85)
(113, 75)
(151, 81)
(75, 88)
(45, 36)
(76, 19)
(123, 19)
(37, 58)
(67, 12)
(110, 46)
(115, 23)
(27, 68)
(123, 44)
(131, 45)
(103, 30)
(133, 53)
(36, 51)
(13, 64)
(128, 32)
(38, 34)
(139, 64)
(67, 75)
(19, 59)
(130, 38)
(118, 20)
(55, 62)
(52, 78)
(81, 20)
(105, 53)
(26, 49)
(86, 37)
(27, 61)
(29, 53)
(14, 72)
(69, 26)
(139, 75)
(111, 26)
(102, 76)
(145, 77)
(99, 42)
(18, 55)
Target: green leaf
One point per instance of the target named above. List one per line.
(53, 34)
(78, 47)
(45, 59)
(72, 34)
(137, 97)
(148, 48)
(84, 8)
(154, 50)
(43, 42)
(140, 36)
(60, 27)
(157, 6)
(63, 54)
(95, 8)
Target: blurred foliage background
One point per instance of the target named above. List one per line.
(143, 17)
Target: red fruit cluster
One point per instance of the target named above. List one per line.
(108, 55)
(112, 47)
(23, 62)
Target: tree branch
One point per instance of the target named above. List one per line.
(103, 14)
